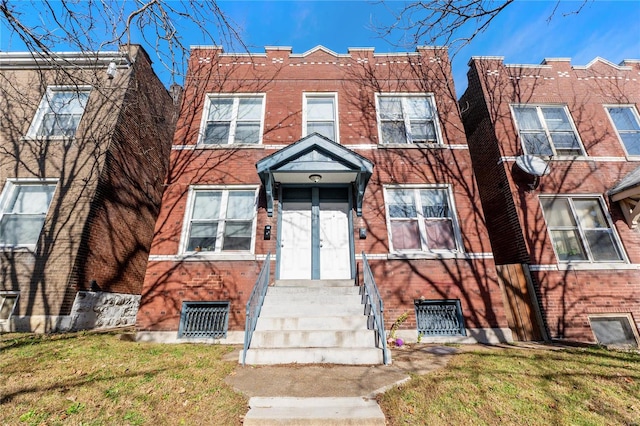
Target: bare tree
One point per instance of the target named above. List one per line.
(45, 26)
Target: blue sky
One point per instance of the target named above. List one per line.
(522, 33)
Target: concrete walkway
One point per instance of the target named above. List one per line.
(329, 394)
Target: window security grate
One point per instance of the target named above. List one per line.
(439, 318)
(204, 319)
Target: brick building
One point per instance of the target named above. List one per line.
(85, 140)
(556, 153)
(317, 158)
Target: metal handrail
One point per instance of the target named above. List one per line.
(254, 304)
(377, 307)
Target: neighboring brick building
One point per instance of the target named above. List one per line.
(556, 153)
(85, 141)
(317, 158)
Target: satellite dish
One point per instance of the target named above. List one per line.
(532, 165)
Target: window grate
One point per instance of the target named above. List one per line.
(439, 318)
(204, 319)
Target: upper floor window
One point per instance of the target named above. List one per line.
(59, 112)
(421, 219)
(320, 115)
(625, 119)
(23, 208)
(407, 119)
(220, 221)
(547, 130)
(233, 120)
(580, 229)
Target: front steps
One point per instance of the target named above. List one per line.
(313, 322)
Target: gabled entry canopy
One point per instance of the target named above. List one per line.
(627, 194)
(315, 159)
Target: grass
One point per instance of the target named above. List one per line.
(523, 387)
(98, 379)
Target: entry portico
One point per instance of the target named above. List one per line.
(318, 182)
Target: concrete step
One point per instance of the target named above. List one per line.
(314, 283)
(313, 339)
(352, 323)
(313, 299)
(348, 356)
(304, 310)
(312, 291)
(354, 411)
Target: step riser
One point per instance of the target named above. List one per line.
(282, 311)
(311, 291)
(314, 283)
(312, 339)
(325, 299)
(355, 356)
(353, 323)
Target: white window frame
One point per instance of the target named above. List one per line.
(15, 296)
(234, 118)
(44, 108)
(581, 231)
(542, 120)
(634, 112)
(421, 226)
(7, 195)
(225, 189)
(321, 95)
(407, 122)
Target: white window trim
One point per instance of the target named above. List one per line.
(538, 107)
(4, 199)
(234, 119)
(420, 253)
(39, 115)
(436, 120)
(627, 315)
(563, 265)
(334, 96)
(13, 308)
(184, 238)
(635, 113)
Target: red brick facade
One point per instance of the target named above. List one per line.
(108, 178)
(569, 292)
(467, 273)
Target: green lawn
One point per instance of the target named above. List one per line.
(99, 379)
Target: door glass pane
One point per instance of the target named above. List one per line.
(237, 236)
(557, 212)
(405, 235)
(568, 245)
(207, 205)
(203, 236)
(241, 205)
(602, 246)
(440, 235)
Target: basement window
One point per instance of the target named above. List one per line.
(440, 318)
(7, 305)
(614, 330)
(204, 320)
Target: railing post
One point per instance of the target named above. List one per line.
(254, 304)
(377, 306)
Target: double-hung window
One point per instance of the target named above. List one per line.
(220, 221)
(421, 219)
(627, 124)
(23, 208)
(320, 115)
(233, 120)
(407, 119)
(580, 229)
(59, 112)
(547, 130)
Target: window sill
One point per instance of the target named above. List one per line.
(427, 255)
(20, 249)
(47, 138)
(202, 257)
(585, 266)
(230, 146)
(412, 145)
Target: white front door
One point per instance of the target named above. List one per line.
(335, 258)
(295, 240)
